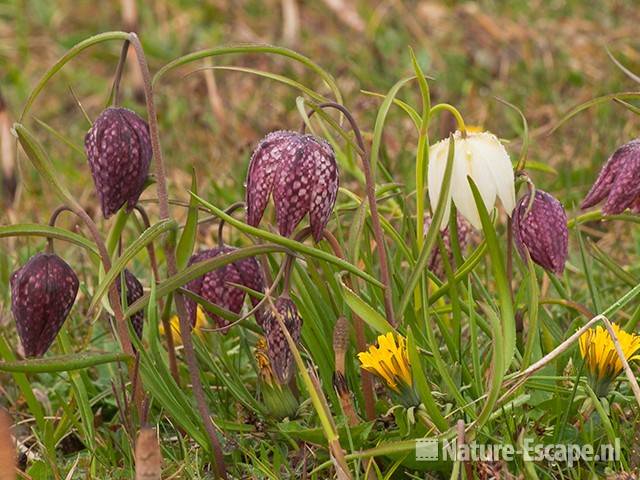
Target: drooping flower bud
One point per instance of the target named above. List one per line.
(216, 286)
(280, 354)
(118, 148)
(134, 292)
(542, 230)
(618, 182)
(465, 233)
(42, 294)
(301, 172)
(480, 156)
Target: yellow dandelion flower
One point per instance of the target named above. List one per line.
(389, 361)
(600, 355)
(201, 321)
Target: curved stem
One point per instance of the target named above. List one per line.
(453, 111)
(114, 96)
(373, 206)
(52, 223)
(114, 296)
(232, 208)
(185, 323)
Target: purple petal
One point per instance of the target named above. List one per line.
(626, 186)
(280, 354)
(42, 294)
(325, 188)
(218, 286)
(542, 231)
(134, 291)
(263, 167)
(294, 182)
(465, 232)
(118, 148)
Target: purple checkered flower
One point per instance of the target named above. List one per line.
(465, 233)
(618, 182)
(216, 286)
(42, 294)
(134, 292)
(118, 148)
(279, 352)
(301, 173)
(542, 230)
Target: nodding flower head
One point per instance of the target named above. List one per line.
(42, 294)
(618, 182)
(480, 156)
(541, 228)
(218, 286)
(301, 173)
(279, 352)
(118, 148)
(134, 291)
(465, 233)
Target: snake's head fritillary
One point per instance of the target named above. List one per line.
(134, 291)
(465, 232)
(42, 294)
(279, 352)
(541, 228)
(301, 173)
(118, 148)
(219, 285)
(618, 182)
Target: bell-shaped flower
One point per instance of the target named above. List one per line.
(301, 173)
(541, 228)
(134, 291)
(42, 294)
(118, 148)
(219, 286)
(280, 354)
(480, 156)
(618, 182)
(464, 237)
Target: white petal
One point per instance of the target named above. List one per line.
(438, 153)
(468, 163)
(487, 146)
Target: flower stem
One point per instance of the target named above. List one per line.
(232, 208)
(185, 323)
(453, 111)
(166, 324)
(114, 96)
(375, 216)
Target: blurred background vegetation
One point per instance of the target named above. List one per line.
(543, 56)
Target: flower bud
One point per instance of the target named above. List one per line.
(42, 294)
(301, 172)
(118, 148)
(465, 233)
(134, 292)
(542, 230)
(279, 352)
(618, 182)
(216, 286)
